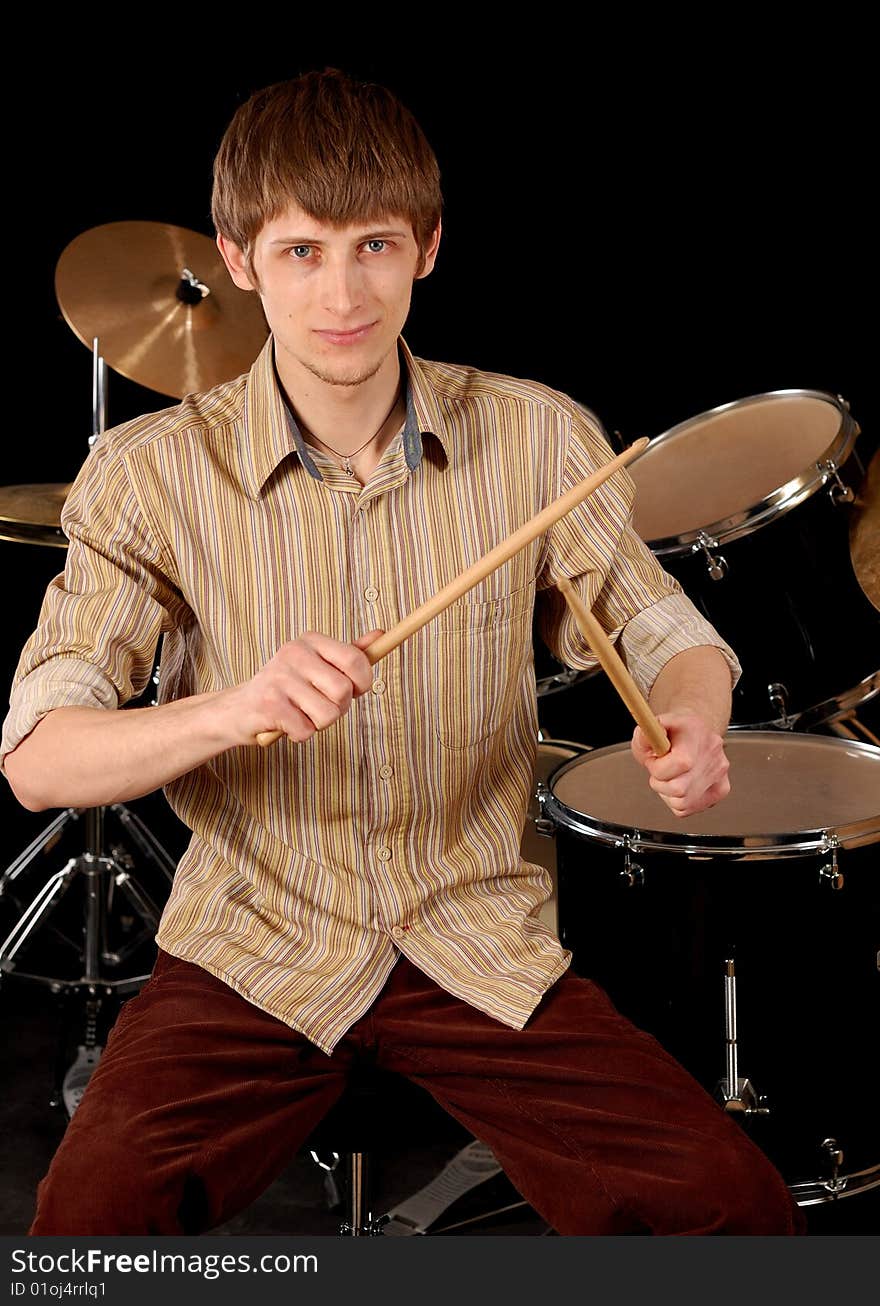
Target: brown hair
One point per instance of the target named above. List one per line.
(344, 151)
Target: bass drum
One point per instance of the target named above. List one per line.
(750, 506)
(745, 938)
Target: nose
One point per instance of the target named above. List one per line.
(343, 289)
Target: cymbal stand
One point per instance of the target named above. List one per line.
(99, 394)
(108, 876)
(114, 867)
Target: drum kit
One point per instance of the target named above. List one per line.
(746, 938)
(155, 302)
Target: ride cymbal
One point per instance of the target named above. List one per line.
(162, 305)
(31, 514)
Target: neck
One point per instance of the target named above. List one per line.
(343, 416)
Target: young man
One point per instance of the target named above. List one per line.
(357, 887)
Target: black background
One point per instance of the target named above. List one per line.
(652, 215)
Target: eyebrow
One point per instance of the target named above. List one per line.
(311, 240)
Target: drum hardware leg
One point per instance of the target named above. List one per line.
(716, 565)
(838, 491)
(735, 1094)
(103, 875)
(44, 842)
(632, 875)
(49, 895)
(361, 1223)
(830, 873)
(146, 841)
(331, 1187)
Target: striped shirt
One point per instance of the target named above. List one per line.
(312, 866)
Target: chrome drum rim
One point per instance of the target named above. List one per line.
(749, 847)
(780, 500)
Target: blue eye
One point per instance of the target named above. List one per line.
(371, 243)
(301, 251)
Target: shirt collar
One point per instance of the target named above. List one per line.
(271, 433)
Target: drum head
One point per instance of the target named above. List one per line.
(785, 790)
(725, 463)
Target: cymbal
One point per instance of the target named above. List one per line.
(32, 514)
(162, 305)
(864, 532)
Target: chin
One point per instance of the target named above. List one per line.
(347, 371)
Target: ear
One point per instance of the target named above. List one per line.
(236, 264)
(431, 251)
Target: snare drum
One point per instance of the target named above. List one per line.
(749, 506)
(745, 938)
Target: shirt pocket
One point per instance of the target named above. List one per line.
(482, 650)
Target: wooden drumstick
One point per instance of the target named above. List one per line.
(484, 566)
(615, 669)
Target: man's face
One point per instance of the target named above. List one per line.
(335, 298)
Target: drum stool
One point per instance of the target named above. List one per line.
(376, 1108)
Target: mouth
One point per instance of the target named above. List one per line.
(353, 337)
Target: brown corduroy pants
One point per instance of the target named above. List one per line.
(201, 1099)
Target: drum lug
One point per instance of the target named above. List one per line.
(838, 1183)
(834, 1154)
(716, 565)
(777, 693)
(830, 873)
(543, 825)
(838, 490)
(632, 875)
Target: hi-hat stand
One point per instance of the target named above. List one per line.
(106, 877)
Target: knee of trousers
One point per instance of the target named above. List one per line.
(735, 1189)
(109, 1188)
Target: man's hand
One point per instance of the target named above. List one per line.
(89, 757)
(308, 685)
(693, 774)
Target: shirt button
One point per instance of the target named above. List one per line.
(371, 593)
(397, 932)
(386, 772)
(384, 854)
(379, 686)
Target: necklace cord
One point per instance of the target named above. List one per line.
(347, 457)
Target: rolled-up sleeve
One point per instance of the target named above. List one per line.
(101, 619)
(672, 625)
(637, 603)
